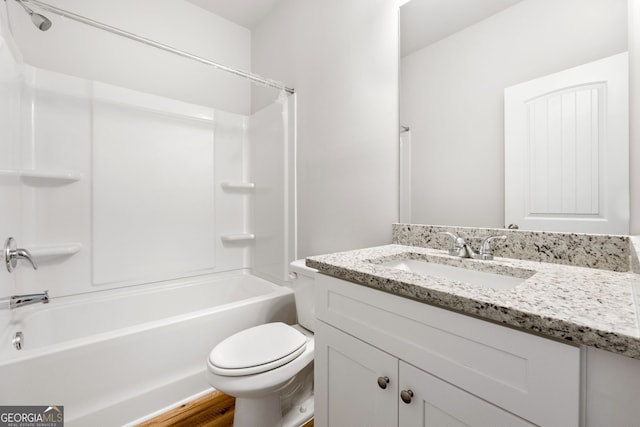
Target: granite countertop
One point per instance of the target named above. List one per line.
(578, 305)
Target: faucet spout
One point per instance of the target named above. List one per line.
(457, 244)
(21, 300)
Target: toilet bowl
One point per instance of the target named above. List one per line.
(260, 364)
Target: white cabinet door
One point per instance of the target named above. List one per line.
(346, 383)
(436, 403)
(566, 150)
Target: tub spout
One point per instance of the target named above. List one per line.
(16, 301)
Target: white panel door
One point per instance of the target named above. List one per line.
(566, 150)
(436, 403)
(347, 391)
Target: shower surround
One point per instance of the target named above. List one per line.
(154, 223)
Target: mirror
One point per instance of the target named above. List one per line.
(457, 59)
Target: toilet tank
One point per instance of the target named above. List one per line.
(302, 283)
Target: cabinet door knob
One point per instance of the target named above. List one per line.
(383, 382)
(406, 396)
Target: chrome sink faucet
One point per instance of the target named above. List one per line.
(459, 247)
(462, 249)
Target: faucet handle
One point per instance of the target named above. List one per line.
(12, 254)
(25, 254)
(485, 248)
(457, 245)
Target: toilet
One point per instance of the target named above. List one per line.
(269, 368)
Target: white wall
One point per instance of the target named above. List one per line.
(76, 49)
(452, 98)
(342, 59)
(274, 43)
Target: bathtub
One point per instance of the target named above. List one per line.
(113, 357)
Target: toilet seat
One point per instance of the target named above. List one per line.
(256, 350)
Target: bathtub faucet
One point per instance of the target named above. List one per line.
(16, 301)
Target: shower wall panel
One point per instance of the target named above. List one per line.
(233, 206)
(272, 136)
(153, 193)
(55, 210)
(123, 187)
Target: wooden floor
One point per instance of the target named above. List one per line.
(211, 410)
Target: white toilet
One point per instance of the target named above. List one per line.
(269, 368)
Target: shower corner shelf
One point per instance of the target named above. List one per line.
(64, 249)
(49, 176)
(238, 186)
(240, 237)
(40, 177)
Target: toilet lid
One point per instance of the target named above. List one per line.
(257, 349)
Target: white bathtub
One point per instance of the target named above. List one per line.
(115, 356)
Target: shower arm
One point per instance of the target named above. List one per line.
(24, 6)
(244, 74)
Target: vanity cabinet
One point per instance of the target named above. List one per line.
(361, 387)
(459, 370)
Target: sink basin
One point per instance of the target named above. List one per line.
(482, 279)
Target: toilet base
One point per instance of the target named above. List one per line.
(260, 411)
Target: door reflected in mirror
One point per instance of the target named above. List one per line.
(457, 59)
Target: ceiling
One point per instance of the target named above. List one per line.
(423, 22)
(247, 13)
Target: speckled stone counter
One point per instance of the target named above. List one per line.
(579, 305)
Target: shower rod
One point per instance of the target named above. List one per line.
(244, 74)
